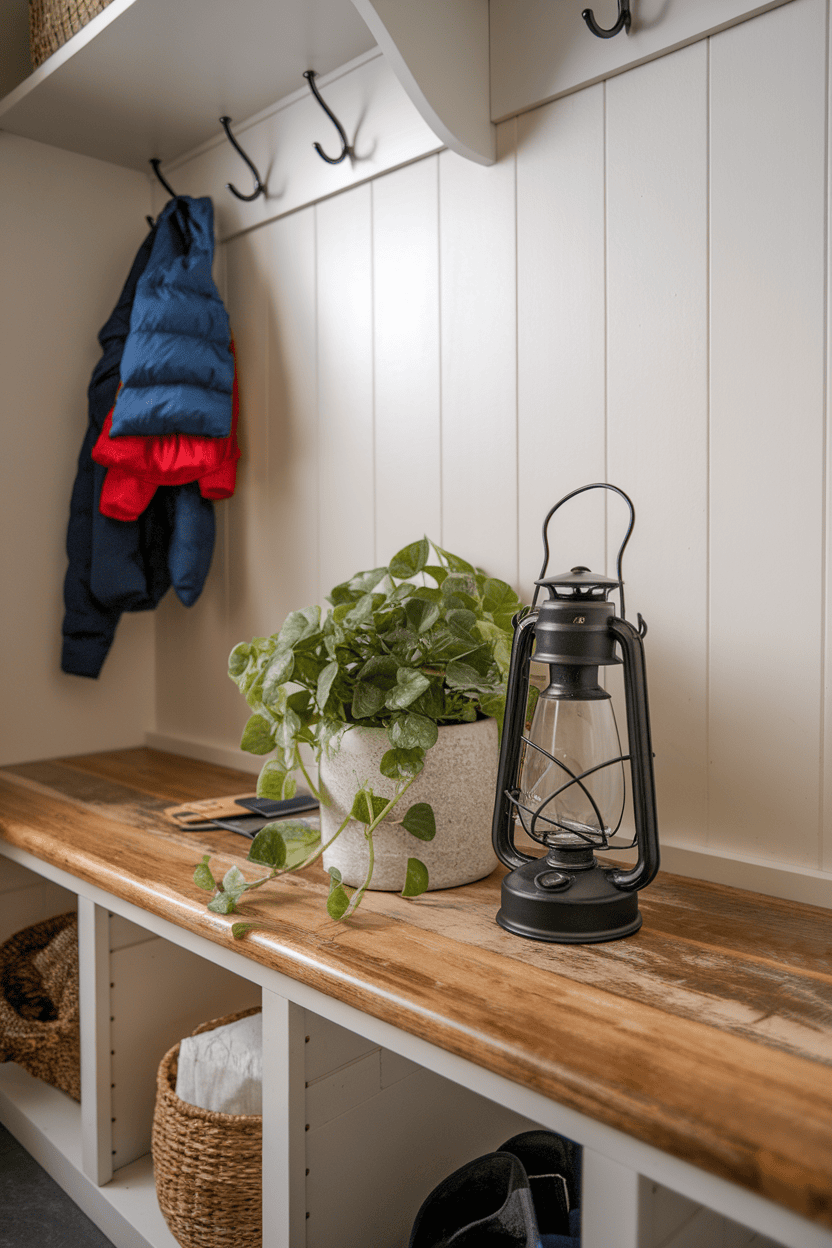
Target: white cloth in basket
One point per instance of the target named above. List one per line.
(222, 1070)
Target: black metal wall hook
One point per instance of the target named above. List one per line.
(309, 75)
(155, 163)
(623, 23)
(259, 188)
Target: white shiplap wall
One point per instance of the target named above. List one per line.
(636, 291)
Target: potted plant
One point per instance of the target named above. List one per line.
(405, 653)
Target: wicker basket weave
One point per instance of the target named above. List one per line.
(52, 22)
(208, 1166)
(39, 1019)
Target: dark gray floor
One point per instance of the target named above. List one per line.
(34, 1211)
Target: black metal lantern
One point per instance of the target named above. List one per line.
(564, 778)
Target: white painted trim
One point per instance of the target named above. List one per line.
(94, 996)
(775, 879)
(206, 751)
(440, 54)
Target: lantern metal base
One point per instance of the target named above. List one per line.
(585, 910)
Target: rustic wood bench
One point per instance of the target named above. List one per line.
(693, 1061)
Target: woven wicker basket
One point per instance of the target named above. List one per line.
(39, 1019)
(52, 22)
(208, 1166)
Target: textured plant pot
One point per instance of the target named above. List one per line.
(459, 781)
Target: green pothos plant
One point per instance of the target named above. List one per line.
(423, 642)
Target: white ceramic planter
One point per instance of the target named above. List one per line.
(458, 780)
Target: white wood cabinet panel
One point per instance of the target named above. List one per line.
(287, 256)
(71, 227)
(561, 331)
(479, 385)
(145, 78)
(657, 401)
(540, 50)
(383, 129)
(345, 387)
(440, 54)
(159, 993)
(251, 544)
(328, 1047)
(412, 1135)
(23, 906)
(767, 126)
(406, 353)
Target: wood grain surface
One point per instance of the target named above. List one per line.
(708, 1034)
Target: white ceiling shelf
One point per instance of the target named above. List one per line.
(150, 78)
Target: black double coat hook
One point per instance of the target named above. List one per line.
(623, 23)
(259, 188)
(309, 75)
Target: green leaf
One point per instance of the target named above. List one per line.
(367, 700)
(277, 673)
(234, 883)
(364, 582)
(325, 680)
(421, 615)
(269, 847)
(257, 736)
(381, 670)
(276, 782)
(300, 840)
(498, 596)
(402, 764)
(409, 730)
(416, 880)
(203, 877)
(494, 706)
(338, 900)
(460, 621)
(410, 560)
(298, 626)
(410, 683)
(454, 562)
(238, 660)
(420, 822)
(239, 929)
(459, 675)
(223, 903)
(438, 573)
(366, 806)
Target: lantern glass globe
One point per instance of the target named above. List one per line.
(568, 738)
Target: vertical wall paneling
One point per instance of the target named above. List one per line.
(345, 386)
(406, 353)
(70, 228)
(560, 330)
(195, 700)
(657, 401)
(479, 390)
(636, 291)
(826, 801)
(767, 128)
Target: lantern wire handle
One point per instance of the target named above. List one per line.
(598, 485)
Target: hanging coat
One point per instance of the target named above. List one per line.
(136, 466)
(177, 370)
(117, 566)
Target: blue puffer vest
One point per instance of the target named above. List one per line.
(177, 370)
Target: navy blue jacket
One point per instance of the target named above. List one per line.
(177, 370)
(116, 565)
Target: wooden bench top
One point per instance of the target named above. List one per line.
(708, 1034)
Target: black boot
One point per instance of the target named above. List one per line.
(553, 1166)
(484, 1204)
